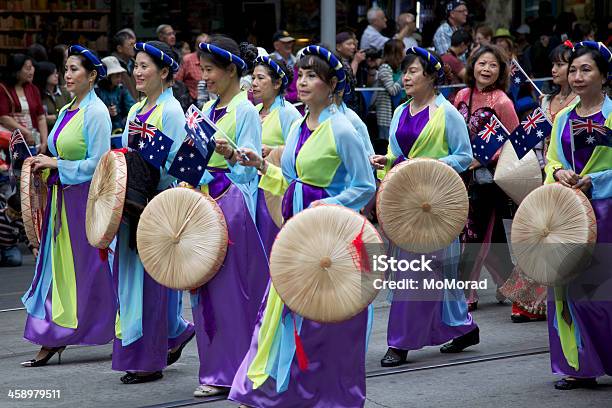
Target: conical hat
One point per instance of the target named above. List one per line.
(105, 199)
(319, 266)
(275, 202)
(182, 238)
(553, 234)
(422, 205)
(33, 194)
(515, 177)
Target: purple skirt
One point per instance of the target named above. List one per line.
(594, 319)
(415, 317)
(96, 304)
(335, 376)
(265, 225)
(226, 310)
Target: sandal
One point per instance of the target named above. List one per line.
(134, 378)
(571, 383)
(204, 390)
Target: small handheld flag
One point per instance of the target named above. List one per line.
(517, 78)
(489, 139)
(588, 134)
(530, 132)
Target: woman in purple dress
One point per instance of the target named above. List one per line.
(580, 331)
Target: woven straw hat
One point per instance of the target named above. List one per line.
(105, 199)
(515, 177)
(182, 238)
(422, 205)
(275, 202)
(33, 193)
(553, 234)
(319, 266)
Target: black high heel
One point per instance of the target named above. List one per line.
(43, 361)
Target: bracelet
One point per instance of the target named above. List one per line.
(230, 157)
(261, 166)
(554, 174)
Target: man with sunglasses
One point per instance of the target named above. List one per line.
(457, 13)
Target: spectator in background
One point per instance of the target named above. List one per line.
(460, 44)
(377, 21)
(283, 48)
(457, 13)
(58, 57)
(504, 40)
(185, 48)
(190, 72)
(346, 49)
(540, 50)
(21, 104)
(389, 78)
(583, 32)
(523, 48)
(123, 43)
(12, 233)
(483, 34)
(114, 95)
(166, 34)
(407, 22)
(54, 97)
(38, 52)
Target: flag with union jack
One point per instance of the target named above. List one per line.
(530, 132)
(488, 140)
(588, 134)
(193, 156)
(18, 148)
(153, 145)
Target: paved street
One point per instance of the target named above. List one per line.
(496, 373)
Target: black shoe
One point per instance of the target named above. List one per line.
(472, 306)
(394, 357)
(462, 342)
(133, 378)
(43, 361)
(519, 318)
(574, 383)
(173, 356)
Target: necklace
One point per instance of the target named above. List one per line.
(585, 112)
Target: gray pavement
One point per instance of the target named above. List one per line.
(85, 378)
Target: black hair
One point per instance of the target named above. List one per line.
(600, 61)
(15, 63)
(500, 56)
(120, 38)
(43, 70)
(56, 56)
(38, 52)
(87, 64)
(166, 49)
(461, 37)
(561, 53)
(14, 202)
(246, 51)
(429, 70)
(319, 66)
(275, 77)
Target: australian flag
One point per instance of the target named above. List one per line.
(490, 138)
(517, 78)
(588, 134)
(192, 157)
(150, 142)
(530, 132)
(18, 148)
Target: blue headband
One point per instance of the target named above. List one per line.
(431, 60)
(272, 64)
(158, 55)
(597, 46)
(98, 65)
(226, 55)
(331, 60)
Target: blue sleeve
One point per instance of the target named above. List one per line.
(362, 130)
(173, 123)
(97, 133)
(602, 184)
(394, 146)
(458, 139)
(248, 134)
(360, 185)
(289, 115)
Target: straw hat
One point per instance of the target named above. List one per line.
(275, 202)
(105, 199)
(553, 234)
(112, 65)
(182, 238)
(515, 177)
(319, 263)
(33, 192)
(422, 205)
